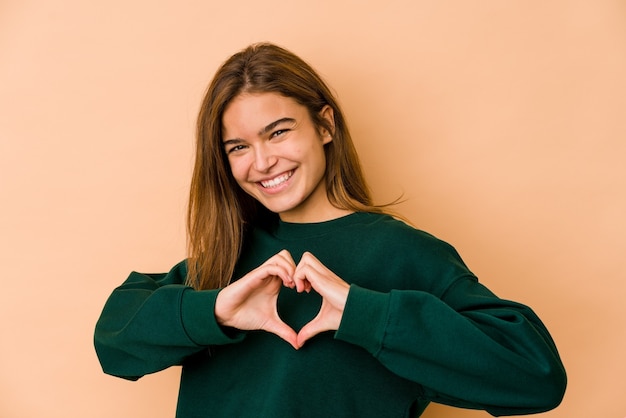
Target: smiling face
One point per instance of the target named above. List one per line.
(276, 155)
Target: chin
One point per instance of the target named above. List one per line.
(280, 209)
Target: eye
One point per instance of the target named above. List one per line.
(279, 132)
(234, 148)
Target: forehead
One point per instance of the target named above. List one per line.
(248, 113)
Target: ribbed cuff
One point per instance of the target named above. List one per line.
(364, 319)
(198, 318)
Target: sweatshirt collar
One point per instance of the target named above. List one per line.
(290, 230)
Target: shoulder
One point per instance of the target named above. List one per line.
(399, 232)
(176, 275)
(417, 249)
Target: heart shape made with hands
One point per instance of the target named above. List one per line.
(250, 303)
(310, 274)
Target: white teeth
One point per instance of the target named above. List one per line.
(277, 181)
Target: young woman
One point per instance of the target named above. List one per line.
(300, 298)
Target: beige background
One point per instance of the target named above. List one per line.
(502, 122)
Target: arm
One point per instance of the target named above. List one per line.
(154, 321)
(464, 345)
(468, 348)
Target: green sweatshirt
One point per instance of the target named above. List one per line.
(417, 327)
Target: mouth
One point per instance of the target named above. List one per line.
(276, 181)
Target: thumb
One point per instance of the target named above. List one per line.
(284, 331)
(309, 331)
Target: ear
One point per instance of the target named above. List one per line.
(328, 114)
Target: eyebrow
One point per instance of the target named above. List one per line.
(263, 130)
(275, 124)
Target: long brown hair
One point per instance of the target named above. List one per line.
(219, 211)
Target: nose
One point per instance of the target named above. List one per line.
(264, 158)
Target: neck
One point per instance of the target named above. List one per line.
(319, 215)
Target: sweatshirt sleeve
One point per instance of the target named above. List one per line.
(154, 321)
(467, 348)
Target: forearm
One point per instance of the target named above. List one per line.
(146, 326)
(480, 352)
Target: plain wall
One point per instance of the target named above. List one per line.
(502, 123)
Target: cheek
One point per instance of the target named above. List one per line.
(239, 168)
(235, 168)
(319, 156)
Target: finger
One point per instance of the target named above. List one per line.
(309, 257)
(307, 277)
(301, 281)
(284, 259)
(284, 331)
(309, 331)
(265, 271)
(332, 287)
(286, 255)
(305, 271)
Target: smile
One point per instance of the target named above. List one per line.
(276, 181)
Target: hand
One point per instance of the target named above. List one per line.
(250, 302)
(311, 273)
